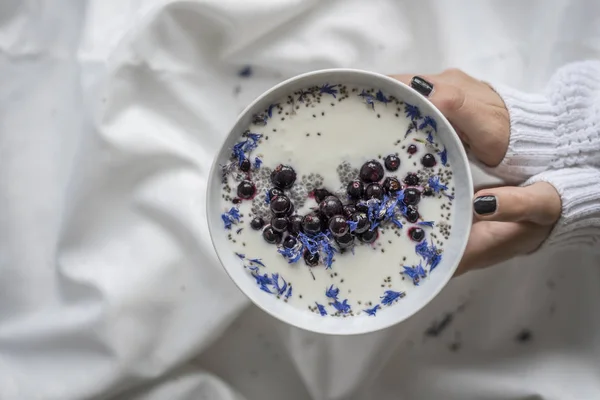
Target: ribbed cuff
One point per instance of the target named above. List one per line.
(579, 189)
(533, 144)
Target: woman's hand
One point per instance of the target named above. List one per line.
(476, 111)
(509, 221)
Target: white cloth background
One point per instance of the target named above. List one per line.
(110, 114)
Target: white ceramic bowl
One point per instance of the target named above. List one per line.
(453, 249)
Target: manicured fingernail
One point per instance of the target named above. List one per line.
(485, 205)
(421, 85)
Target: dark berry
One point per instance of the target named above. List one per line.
(371, 171)
(283, 176)
(362, 222)
(274, 192)
(362, 207)
(428, 160)
(369, 236)
(349, 209)
(291, 210)
(257, 223)
(312, 260)
(355, 189)
(237, 200)
(246, 189)
(412, 149)
(392, 162)
(321, 194)
(391, 185)
(289, 242)
(280, 224)
(245, 165)
(311, 224)
(428, 192)
(345, 241)
(271, 235)
(412, 196)
(280, 205)
(412, 215)
(295, 224)
(416, 234)
(374, 191)
(412, 180)
(338, 226)
(330, 206)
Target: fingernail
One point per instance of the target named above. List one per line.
(485, 205)
(421, 85)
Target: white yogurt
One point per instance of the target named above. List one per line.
(315, 138)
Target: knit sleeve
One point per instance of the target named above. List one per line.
(556, 129)
(579, 223)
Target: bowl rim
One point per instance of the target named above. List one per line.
(468, 180)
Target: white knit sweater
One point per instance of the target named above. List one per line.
(555, 137)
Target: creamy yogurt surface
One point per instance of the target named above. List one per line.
(324, 135)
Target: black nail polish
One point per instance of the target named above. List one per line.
(484, 205)
(421, 85)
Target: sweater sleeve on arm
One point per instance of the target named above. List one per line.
(557, 129)
(579, 189)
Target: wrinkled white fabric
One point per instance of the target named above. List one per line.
(110, 114)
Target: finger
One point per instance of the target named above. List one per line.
(492, 242)
(539, 203)
(461, 110)
(448, 98)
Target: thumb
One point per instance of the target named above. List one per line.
(539, 203)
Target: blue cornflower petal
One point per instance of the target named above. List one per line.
(226, 220)
(435, 261)
(430, 137)
(240, 255)
(332, 292)
(435, 185)
(289, 292)
(256, 261)
(270, 109)
(231, 216)
(429, 254)
(262, 279)
(428, 121)
(368, 99)
(381, 97)
(342, 307)
(293, 254)
(372, 311)
(412, 112)
(255, 137)
(234, 214)
(416, 273)
(353, 225)
(265, 289)
(279, 289)
(444, 156)
(321, 309)
(275, 279)
(390, 296)
(329, 89)
(257, 162)
(426, 223)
